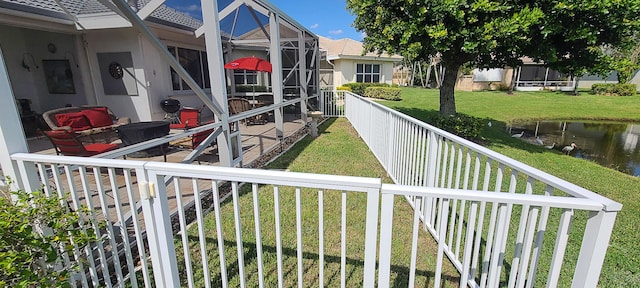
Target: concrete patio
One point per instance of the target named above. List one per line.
(256, 140)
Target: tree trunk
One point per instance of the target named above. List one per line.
(512, 85)
(447, 99)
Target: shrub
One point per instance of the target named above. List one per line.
(345, 88)
(614, 89)
(251, 88)
(358, 88)
(30, 257)
(462, 125)
(386, 93)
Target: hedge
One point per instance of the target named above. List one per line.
(358, 88)
(251, 88)
(345, 88)
(614, 89)
(463, 125)
(386, 93)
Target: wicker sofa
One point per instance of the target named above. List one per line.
(90, 123)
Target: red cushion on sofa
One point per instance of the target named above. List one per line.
(76, 120)
(98, 117)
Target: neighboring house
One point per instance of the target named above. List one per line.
(531, 76)
(346, 63)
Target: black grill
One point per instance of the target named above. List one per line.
(170, 105)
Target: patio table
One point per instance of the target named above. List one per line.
(142, 131)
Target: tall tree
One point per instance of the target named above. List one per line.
(626, 58)
(495, 34)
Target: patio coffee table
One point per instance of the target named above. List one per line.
(142, 131)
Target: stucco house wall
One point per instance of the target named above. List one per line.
(32, 47)
(345, 71)
(102, 41)
(344, 54)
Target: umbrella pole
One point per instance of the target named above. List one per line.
(253, 94)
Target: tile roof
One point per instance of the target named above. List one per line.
(163, 15)
(349, 47)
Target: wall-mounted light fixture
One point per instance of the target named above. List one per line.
(28, 61)
(69, 56)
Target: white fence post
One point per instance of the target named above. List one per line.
(371, 237)
(594, 248)
(386, 232)
(158, 225)
(321, 106)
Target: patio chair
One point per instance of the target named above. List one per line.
(239, 105)
(188, 117)
(67, 144)
(193, 141)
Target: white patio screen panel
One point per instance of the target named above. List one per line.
(420, 155)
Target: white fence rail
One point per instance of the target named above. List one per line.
(417, 154)
(499, 222)
(331, 103)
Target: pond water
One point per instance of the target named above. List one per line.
(613, 145)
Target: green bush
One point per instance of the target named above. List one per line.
(251, 88)
(386, 93)
(463, 125)
(30, 257)
(614, 89)
(345, 88)
(358, 88)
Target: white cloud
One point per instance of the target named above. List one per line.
(314, 26)
(336, 32)
(189, 8)
(364, 34)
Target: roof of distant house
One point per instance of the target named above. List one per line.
(163, 15)
(346, 48)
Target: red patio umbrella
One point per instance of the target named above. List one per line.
(252, 63)
(249, 63)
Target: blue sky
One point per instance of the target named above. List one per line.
(328, 18)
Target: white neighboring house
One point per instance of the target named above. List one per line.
(345, 63)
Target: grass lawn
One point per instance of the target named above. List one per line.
(622, 263)
(337, 150)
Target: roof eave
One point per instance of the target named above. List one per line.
(370, 58)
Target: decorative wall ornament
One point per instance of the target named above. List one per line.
(117, 73)
(28, 61)
(52, 48)
(59, 76)
(115, 70)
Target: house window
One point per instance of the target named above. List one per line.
(195, 62)
(368, 73)
(244, 77)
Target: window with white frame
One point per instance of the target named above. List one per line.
(245, 77)
(195, 62)
(368, 73)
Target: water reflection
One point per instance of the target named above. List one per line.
(613, 145)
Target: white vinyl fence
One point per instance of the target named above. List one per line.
(485, 236)
(499, 222)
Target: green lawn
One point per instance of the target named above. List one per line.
(337, 150)
(622, 264)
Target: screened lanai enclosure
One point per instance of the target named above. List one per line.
(493, 220)
(167, 54)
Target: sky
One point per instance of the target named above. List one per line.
(328, 18)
